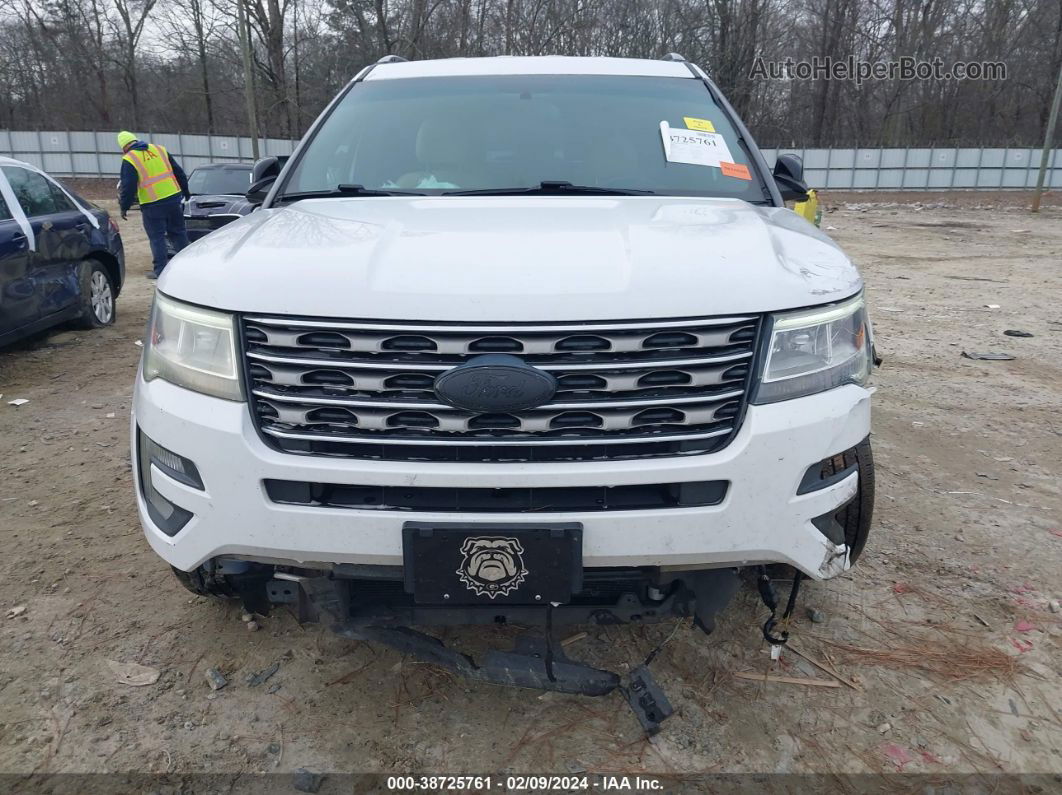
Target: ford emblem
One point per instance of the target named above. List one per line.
(495, 382)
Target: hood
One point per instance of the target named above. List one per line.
(202, 205)
(513, 259)
(140, 145)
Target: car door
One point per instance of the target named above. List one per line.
(60, 230)
(19, 305)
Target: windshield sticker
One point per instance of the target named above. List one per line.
(694, 147)
(738, 170)
(698, 124)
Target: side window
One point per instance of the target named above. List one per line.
(5, 214)
(61, 200)
(34, 192)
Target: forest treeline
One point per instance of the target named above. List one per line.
(176, 66)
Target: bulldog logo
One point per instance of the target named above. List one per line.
(492, 566)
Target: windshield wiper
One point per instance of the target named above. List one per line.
(552, 187)
(345, 190)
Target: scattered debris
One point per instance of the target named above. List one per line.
(138, 343)
(889, 309)
(1024, 626)
(110, 415)
(305, 781)
(15, 612)
(788, 680)
(821, 666)
(816, 616)
(988, 357)
(991, 306)
(134, 674)
(574, 638)
(1053, 606)
(216, 679)
(1013, 332)
(17, 402)
(982, 621)
(246, 618)
(649, 703)
(953, 658)
(255, 679)
(987, 476)
(884, 728)
(252, 626)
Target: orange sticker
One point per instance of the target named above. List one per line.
(736, 170)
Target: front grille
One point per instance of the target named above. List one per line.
(625, 390)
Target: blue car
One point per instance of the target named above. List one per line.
(61, 257)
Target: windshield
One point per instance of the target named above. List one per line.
(206, 181)
(443, 134)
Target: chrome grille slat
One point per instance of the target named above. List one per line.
(480, 442)
(374, 381)
(318, 384)
(376, 417)
(498, 328)
(460, 344)
(398, 405)
(553, 367)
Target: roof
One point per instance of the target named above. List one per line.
(10, 161)
(236, 166)
(530, 65)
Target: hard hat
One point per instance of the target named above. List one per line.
(125, 138)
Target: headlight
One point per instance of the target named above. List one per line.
(192, 347)
(816, 349)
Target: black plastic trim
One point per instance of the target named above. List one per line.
(559, 499)
(180, 517)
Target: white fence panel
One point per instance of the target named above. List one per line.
(95, 154)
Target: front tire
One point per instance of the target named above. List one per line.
(98, 307)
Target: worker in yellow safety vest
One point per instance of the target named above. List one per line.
(151, 177)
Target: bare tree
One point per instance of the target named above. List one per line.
(132, 15)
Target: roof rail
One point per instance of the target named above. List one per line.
(674, 56)
(392, 59)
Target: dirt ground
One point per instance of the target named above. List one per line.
(943, 638)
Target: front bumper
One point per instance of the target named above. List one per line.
(762, 519)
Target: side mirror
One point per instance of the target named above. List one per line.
(268, 167)
(789, 177)
(256, 194)
(263, 174)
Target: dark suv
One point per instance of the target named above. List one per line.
(217, 197)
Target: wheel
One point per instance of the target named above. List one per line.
(97, 295)
(854, 518)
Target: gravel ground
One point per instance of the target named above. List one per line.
(943, 638)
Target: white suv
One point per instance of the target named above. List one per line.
(528, 340)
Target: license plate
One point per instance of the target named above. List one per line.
(197, 223)
(450, 564)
